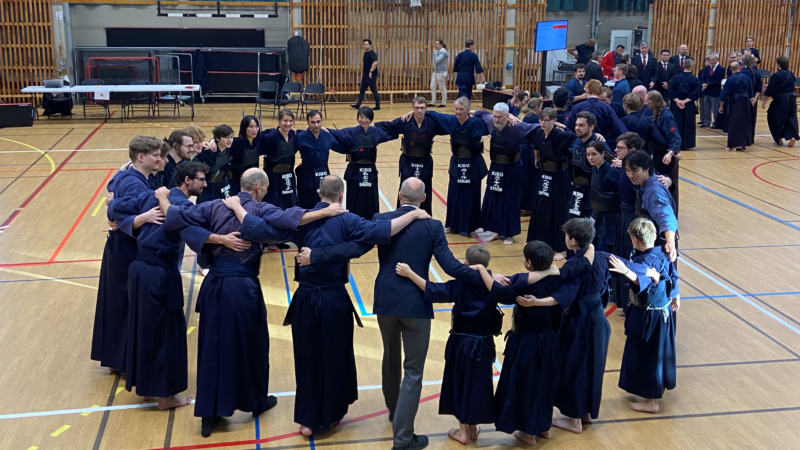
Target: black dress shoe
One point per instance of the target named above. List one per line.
(442, 106)
(391, 417)
(355, 106)
(417, 442)
(377, 108)
(208, 425)
(268, 404)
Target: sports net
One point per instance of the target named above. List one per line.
(123, 70)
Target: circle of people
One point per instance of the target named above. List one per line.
(613, 214)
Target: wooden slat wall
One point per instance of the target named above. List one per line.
(527, 62)
(766, 21)
(794, 49)
(402, 37)
(26, 53)
(677, 22)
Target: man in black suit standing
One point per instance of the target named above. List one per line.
(663, 71)
(683, 55)
(403, 314)
(645, 63)
(593, 69)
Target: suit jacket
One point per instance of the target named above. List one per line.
(663, 76)
(676, 61)
(646, 76)
(594, 72)
(714, 80)
(414, 245)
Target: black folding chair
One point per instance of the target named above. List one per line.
(267, 95)
(140, 98)
(285, 97)
(87, 98)
(170, 97)
(317, 90)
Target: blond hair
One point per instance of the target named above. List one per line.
(533, 103)
(195, 132)
(643, 230)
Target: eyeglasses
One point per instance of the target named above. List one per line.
(620, 148)
(202, 180)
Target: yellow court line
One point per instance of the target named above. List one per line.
(119, 389)
(33, 447)
(89, 412)
(52, 163)
(189, 331)
(42, 277)
(60, 430)
(99, 205)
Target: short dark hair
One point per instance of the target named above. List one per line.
(639, 159)
(539, 254)
(220, 131)
(624, 59)
(632, 140)
(175, 138)
(478, 254)
(591, 120)
(548, 113)
(367, 40)
(187, 169)
(312, 113)
(469, 43)
(665, 50)
(632, 72)
(783, 62)
(143, 145)
(582, 230)
(620, 46)
(419, 99)
(578, 67)
(366, 111)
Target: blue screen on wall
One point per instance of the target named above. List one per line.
(551, 35)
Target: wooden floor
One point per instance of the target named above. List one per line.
(738, 333)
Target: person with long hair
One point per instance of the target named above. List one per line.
(245, 151)
(782, 113)
(604, 196)
(279, 148)
(361, 175)
(666, 157)
(751, 72)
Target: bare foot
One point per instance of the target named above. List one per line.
(493, 237)
(305, 431)
(573, 425)
(524, 213)
(176, 401)
(647, 406)
(446, 230)
(525, 437)
(587, 419)
(204, 272)
(545, 434)
(779, 143)
(473, 234)
(559, 256)
(621, 314)
(508, 241)
(791, 142)
(147, 399)
(729, 149)
(272, 247)
(457, 435)
(474, 431)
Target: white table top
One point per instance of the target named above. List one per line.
(114, 88)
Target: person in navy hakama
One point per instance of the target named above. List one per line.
(314, 146)
(609, 124)
(782, 112)
(580, 169)
(467, 168)
(665, 157)
(500, 210)
(750, 71)
(279, 147)
(684, 91)
(736, 96)
(218, 162)
(245, 151)
(603, 197)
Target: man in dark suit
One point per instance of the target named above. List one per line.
(593, 69)
(712, 90)
(663, 71)
(645, 63)
(683, 55)
(403, 314)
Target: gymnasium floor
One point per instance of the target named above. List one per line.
(738, 332)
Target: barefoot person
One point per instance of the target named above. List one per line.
(648, 362)
(782, 112)
(467, 388)
(500, 211)
(156, 357)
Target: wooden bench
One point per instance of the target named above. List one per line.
(333, 93)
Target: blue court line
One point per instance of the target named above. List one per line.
(311, 442)
(385, 201)
(744, 246)
(69, 278)
(286, 279)
(745, 205)
(361, 308)
(258, 432)
(687, 260)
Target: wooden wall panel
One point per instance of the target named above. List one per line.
(26, 46)
(677, 22)
(794, 49)
(767, 21)
(402, 37)
(527, 62)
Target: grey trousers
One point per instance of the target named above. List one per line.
(402, 400)
(710, 106)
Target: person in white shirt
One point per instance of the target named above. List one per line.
(439, 76)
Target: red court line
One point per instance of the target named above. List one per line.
(755, 173)
(611, 310)
(47, 263)
(58, 169)
(83, 170)
(438, 196)
(23, 171)
(89, 204)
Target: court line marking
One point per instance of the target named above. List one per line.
(60, 430)
(34, 163)
(99, 205)
(44, 278)
(52, 163)
(687, 260)
(755, 174)
(80, 217)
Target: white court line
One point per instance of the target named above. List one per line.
(720, 136)
(62, 412)
(742, 297)
(69, 151)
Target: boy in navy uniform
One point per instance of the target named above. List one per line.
(648, 362)
(467, 382)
